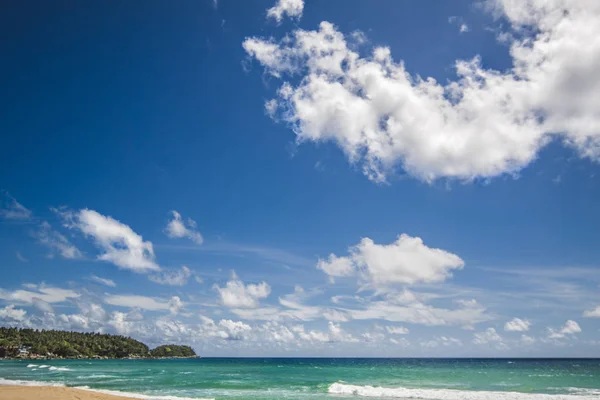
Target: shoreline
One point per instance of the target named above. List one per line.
(34, 390)
(93, 358)
(17, 392)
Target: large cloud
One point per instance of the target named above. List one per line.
(405, 261)
(484, 124)
(119, 243)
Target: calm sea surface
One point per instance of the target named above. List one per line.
(308, 379)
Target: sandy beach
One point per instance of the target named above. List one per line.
(52, 393)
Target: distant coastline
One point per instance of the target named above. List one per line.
(30, 344)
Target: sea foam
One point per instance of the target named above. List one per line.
(446, 394)
(59, 369)
(18, 382)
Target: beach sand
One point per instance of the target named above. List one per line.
(52, 393)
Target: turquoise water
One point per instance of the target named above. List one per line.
(447, 379)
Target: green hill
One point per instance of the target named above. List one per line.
(172, 350)
(30, 343)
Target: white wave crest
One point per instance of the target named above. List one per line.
(44, 366)
(59, 369)
(31, 365)
(446, 394)
(18, 382)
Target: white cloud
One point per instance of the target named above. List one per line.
(236, 294)
(42, 305)
(517, 325)
(119, 243)
(10, 208)
(484, 124)
(20, 257)
(334, 334)
(594, 313)
(569, 328)
(525, 339)
(42, 292)
(177, 228)
(406, 261)
(397, 330)
(488, 336)
(463, 28)
(57, 242)
(12, 314)
(336, 266)
(291, 8)
(394, 308)
(178, 277)
(174, 304)
(103, 281)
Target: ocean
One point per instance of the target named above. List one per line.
(319, 378)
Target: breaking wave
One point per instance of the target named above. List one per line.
(447, 394)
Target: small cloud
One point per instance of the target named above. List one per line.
(11, 209)
(103, 281)
(178, 228)
(215, 4)
(292, 8)
(517, 325)
(172, 277)
(20, 257)
(459, 21)
(569, 328)
(236, 294)
(397, 330)
(594, 313)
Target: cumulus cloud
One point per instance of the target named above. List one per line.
(569, 328)
(120, 245)
(517, 325)
(594, 313)
(488, 336)
(236, 294)
(174, 304)
(178, 228)
(11, 314)
(405, 261)
(334, 334)
(57, 242)
(483, 124)
(291, 8)
(11, 209)
(336, 266)
(177, 277)
(103, 281)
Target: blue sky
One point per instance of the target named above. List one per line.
(294, 178)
